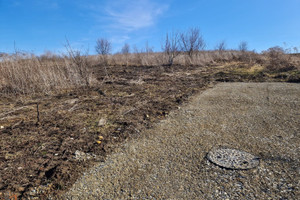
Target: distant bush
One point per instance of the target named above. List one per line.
(79, 63)
(221, 46)
(103, 46)
(125, 49)
(246, 56)
(171, 46)
(192, 41)
(278, 61)
(243, 46)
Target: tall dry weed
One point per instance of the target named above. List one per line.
(28, 75)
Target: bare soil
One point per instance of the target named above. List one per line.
(40, 134)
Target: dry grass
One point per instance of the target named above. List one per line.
(155, 59)
(257, 68)
(27, 74)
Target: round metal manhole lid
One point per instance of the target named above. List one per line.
(232, 158)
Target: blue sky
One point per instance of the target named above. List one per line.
(39, 25)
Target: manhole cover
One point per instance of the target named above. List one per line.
(232, 158)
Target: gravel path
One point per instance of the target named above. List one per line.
(169, 161)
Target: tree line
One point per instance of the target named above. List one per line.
(175, 43)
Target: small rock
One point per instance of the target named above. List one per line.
(102, 122)
(33, 192)
(79, 155)
(71, 101)
(9, 156)
(2, 186)
(21, 189)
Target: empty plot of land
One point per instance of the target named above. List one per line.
(169, 161)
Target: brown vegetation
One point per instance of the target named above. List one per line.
(26, 74)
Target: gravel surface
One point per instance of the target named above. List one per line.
(169, 161)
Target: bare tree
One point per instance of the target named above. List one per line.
(171, 46)
(243, 46)
(125, 49)
(221, 46)
(79, 62)
(192, 41)
(103, 46)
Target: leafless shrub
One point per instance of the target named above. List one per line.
(220, 54)
(125, 49)
(103, 46)
(245, 55)
(192, 41)
(243, 46)
(79, 63)
(274, 52)
(277, 59)
(171, 46)
(221, 46)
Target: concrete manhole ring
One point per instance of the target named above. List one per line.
(232, 158)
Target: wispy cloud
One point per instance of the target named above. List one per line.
(134, 14)
(122, 21)
(119, 39)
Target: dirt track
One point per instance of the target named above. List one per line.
(168, 162)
